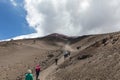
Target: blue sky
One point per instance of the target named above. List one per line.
(12, 20)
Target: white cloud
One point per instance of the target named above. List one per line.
(34, 35)
(84, 5)
(73, 17)
(13, 3)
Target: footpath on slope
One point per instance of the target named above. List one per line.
(50, 69)
(53, 67)
(45, 73)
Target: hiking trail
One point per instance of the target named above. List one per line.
(45, 73)
(50, 69)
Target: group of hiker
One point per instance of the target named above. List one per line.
(29, 75)
(66, 54)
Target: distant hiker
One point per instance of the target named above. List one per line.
(29, 75)
(56, 61)
(78, 47)
(66, 54)
(37, 69)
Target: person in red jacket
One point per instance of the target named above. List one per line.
(37, 69)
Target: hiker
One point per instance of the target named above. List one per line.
(37, 69)
(29, 75)
(66, 54)
(56, 60)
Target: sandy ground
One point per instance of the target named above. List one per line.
(99, 59)
(93, 57)
(17, 57)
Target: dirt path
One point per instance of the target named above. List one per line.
(50, 69)
(44, 74)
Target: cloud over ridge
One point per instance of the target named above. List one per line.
(73, 17)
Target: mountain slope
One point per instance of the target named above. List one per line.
(98, 58)
(93, 57)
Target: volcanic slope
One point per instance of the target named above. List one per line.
(93, 57)
(16, 56)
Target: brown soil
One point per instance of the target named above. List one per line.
(93, 57)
